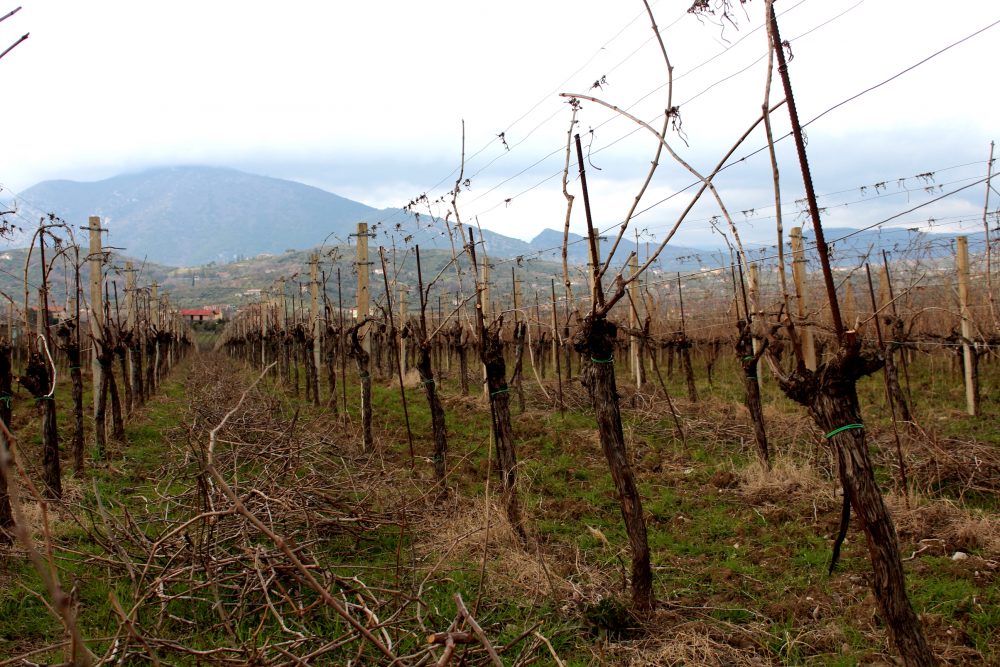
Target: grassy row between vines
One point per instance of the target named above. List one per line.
(740, 554)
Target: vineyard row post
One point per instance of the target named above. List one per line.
(96, 299)
(802, 298)
(968, 354)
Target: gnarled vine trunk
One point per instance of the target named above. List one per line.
(66, 334)
(437, 411)
(830, 394)
(491, 353)
(362, 358)
(595, 342)
(749, 364)
(36, 380)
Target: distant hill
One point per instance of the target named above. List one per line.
(189, 216)
(195, 215)
(851, 247)
(548, 245)
(192, 216)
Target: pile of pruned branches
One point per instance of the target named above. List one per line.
(251, 550)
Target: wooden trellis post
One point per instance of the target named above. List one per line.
(753, 278)
(314, 322)
(96, 300)
(555, 331)
(487, 300)
(131, 325)
(883, 291)
(799, 276)
(484, 308)
(850, 305)
(633, 320)
(130, 313)
(154, 320)
(969, 365)
(594, 266)
(402, 323)
(364, 297)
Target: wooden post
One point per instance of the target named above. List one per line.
(281, 326)
(555, 330)
(971, 380)
(364, 298)
(595, 266)
(883, 290)
(165, 319)
(850, 305)
(154, 320)
(131, 325)
(96, 300)
(154, 304)
(402, 323)
(518, 304)
(555, 348)
(282, 308)
(799, 276)
(314, 322)
(633, 320)
(484, 310)
(487, 300)
(40, 315)
(753, 278)
(130, 312)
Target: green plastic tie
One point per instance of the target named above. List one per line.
(609, 360)
(44, 398)
(431, 381)
(500, 391)
(6, 398)
(749, 357)
(847, 427)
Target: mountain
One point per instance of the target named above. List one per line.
(191, 216)
(852, 247)
(194, 215)
(188, 216)
(548, 246)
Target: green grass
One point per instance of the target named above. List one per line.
(729, 562)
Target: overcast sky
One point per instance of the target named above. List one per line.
(367, 99)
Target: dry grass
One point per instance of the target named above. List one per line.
(473, 529)
(788, 481)
(674, 639)
(941, 527)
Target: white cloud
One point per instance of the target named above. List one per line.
(328, 92)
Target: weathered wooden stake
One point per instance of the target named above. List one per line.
(968, 354)
(555, 350)
(402, 323)
(314, 321)
(633, 320)
(96, 300)
(753, 285)
(802, 299)
(364, 298)
(850, 305)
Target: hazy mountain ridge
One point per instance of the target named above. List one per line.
(191, 216)
(195, 215)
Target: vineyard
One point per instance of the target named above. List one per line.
(428, 483)
(598, 454)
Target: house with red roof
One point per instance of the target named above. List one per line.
(201, 315)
